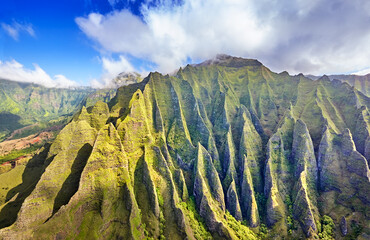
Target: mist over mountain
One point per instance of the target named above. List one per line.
(225, 149)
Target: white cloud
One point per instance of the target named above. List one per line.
(13, 70)
(307, 36)
(111, 68)
(61, 81)
(362, 72)
(14, 29)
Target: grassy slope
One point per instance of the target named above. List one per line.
(201, 137)
(23, 104)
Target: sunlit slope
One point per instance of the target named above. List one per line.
(361, 83)
(38, 107)
(220, 150)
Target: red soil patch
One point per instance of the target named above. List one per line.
(17, 144)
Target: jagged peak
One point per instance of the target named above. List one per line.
(324, 78)
(153, 75)
(301, 126)
(179, 72)
(235, 130)
(284, 73)
(230, 61)
(288, 115)
(200, 148)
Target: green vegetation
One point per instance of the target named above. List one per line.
(263, 231)
(225, 150)
(290, 219)
(261, 201)
(10, 180)
(241, 231)
(19, 153)
(356, 231)
(361, 83)
(327, 228)
(196, 222)
(33, 108)
(160, 197)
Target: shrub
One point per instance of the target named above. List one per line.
(327, 228)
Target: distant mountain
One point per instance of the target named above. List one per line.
(226, 149)
(362, 83)
(37, 107)
(104, 95)
(126, 78)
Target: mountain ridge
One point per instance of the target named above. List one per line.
(214, 151)
(26, 104)
(361, 82)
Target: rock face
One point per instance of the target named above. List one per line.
(343, 226)
(214, 151)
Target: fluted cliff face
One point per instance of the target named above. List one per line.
(360, 82)
(216, 151)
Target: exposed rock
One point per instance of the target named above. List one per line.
(180, 180)
(206, 173)
(367, 150)
(192, 156)
(343, 226)
(348, 146)
(303, 208)
(328, 165)
(303, 152)
(248, 199)
(251, 147)
(232, 202)
(274, 205)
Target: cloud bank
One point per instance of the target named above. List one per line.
(13, 70)
(14, 29)
(111, 69)
(309, 36)
(362, 72)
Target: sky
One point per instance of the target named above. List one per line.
(69, 43)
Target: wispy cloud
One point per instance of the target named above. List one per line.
(15, 29)
(13, 70)
(111, 68)
(114, 2)
(308, 36)
(362, 72)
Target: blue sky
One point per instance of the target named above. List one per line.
(58, 45)
(88, 42)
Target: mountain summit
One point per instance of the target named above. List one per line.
(229, 61)
(126, 78)
(225, 149)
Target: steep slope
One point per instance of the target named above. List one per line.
(362, 83)
(30, 108)
(219, 150)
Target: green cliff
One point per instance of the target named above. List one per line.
(217, 151)
(27, 108)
